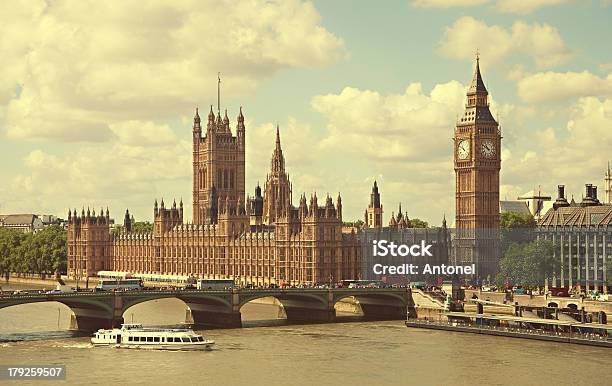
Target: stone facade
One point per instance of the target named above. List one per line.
(264, 240)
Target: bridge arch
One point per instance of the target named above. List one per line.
(35, 317)
(90, 312)
(160, 311)
(379, 305)
(283, 296)
(203, 309)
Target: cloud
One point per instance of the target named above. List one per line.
(572, 155)
(557, 86)
(129, 170)
(540, 41)
(298, 142)
(525, 6)
(402, 140)
(447, 3)
(69, 76)
(503, 6)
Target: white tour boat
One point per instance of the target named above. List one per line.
(134, 335)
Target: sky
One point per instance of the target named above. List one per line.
(97, 98)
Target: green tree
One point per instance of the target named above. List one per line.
(40, 253)
(527, 264)
(418, 223)
(10, 239)
(514, 220)
(142, 227)
(357, 224)
(516, 228)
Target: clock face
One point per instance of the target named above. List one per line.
(463, 149)
(487, 148)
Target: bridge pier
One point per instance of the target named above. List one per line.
(214, 319)
(309, 315)
(376, 308)
(215, 316)
(383, 312)
(92, 323)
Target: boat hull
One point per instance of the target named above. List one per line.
(166, 347)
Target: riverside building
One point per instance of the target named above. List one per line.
(582, 234)
(263, 240)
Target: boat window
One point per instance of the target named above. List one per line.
(156, 339)
(194, 339)
(149, 339)
(129, 338)
(201, 339)
(163, 339)
(185, 340)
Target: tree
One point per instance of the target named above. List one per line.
(528, 264)
(42, 253)
(10, 239)
(418, 223)
(356, 224)
(515, 220)
(142, 227)
(516, 228)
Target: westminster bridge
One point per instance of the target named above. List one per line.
(221, 308)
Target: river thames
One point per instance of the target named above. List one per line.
(354, 353)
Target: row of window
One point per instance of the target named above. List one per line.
(163, 339)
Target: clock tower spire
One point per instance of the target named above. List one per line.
(477, 163)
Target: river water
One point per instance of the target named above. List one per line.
(355, 353)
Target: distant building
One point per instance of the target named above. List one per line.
(582, 233)
(23, 222)
(400, 231)
(519, 207)
(608, 186)
(536, 202)
(374, 212)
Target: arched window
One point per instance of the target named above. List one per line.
(232, 179)
(204, 175)
(225, 179)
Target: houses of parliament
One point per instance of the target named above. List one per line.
(265, 240)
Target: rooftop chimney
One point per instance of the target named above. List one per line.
(591, 196)
(561, 200)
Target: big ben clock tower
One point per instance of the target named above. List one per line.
(477, 144)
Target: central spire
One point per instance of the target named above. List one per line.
(477, 86)
(278, 161)
(219, 93)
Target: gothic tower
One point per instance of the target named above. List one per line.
(374, 213)
(218, 166)
(277, 189)
(477, 162)
(608, 186)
